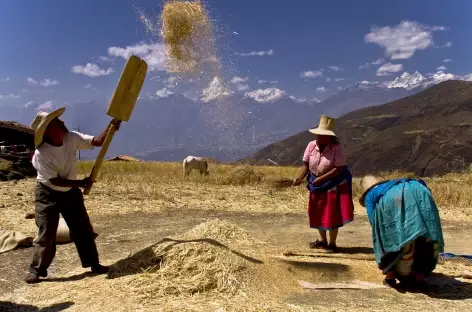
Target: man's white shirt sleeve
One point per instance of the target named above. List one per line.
(82, 141)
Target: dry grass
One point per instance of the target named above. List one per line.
(450, 191)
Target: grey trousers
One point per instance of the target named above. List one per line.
(49, 204)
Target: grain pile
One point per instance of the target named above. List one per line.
(202, 260)
(187, 34)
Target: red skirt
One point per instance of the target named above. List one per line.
(331, 209)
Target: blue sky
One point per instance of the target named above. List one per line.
(294, 43)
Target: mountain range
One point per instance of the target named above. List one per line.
(221, 123)
(427, 133)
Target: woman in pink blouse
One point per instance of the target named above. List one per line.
(330, 205)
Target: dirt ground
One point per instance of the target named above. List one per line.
(127, 228)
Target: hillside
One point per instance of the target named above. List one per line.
(427, 133)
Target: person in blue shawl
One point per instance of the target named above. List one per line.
(406, 229)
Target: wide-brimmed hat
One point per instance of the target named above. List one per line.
(326, 126)
(367, 183)
(41, 122)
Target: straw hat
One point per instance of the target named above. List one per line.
(326, 126)
(367, 183)
(40, 123)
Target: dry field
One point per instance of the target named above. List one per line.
(216, 244)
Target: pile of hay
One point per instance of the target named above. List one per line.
(244, 175)
(187, 34)
(201, 260)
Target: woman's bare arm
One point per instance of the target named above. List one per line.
(328, 175)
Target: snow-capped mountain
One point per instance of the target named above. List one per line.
(407, 81)
(268, 95)
(216, 90)
(417, 80)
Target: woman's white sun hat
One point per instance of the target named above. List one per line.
(367, 183)
(41, 122)
(326, 126)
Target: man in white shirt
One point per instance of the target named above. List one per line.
(58, 192)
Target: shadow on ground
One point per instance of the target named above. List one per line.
(440, 286)
(17, 307)
(145, 259)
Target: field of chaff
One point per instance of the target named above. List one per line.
(217, 243)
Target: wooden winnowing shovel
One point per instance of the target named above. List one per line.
(122, 104)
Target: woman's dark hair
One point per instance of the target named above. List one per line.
(334, 140)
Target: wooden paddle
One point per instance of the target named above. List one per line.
(121, 105)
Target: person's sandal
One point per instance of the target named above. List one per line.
(318, 244)
(332, 248)
(32, 278)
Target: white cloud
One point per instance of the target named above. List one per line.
(105, 59)
(90, 87)
(238, 80)
(153, 54)
(45, 106)
(436, 28)
(45, 83)
(340, 88)
(376, 62)
(91, 70)
(329, 79)
(24, 90)
(257, 53)
(447, 60)
(321, 89)
(312, 73)
(163, 93)
(49, 82)
(403, 40)
(388, 68)
(266, 95)
(267, 82)
(242, 87)
(448, 44)
(31, 81)
(6, 79)
(30, 103)
(441, 68)
(215, 90)
(338, 79)
(10, 96)
(336, 68)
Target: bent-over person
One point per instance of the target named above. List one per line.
(58, 193)
(406, 228)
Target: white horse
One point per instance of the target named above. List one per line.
(195, 163)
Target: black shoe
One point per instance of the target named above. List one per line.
(332, 248)
(32, 278)
(100, 269)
